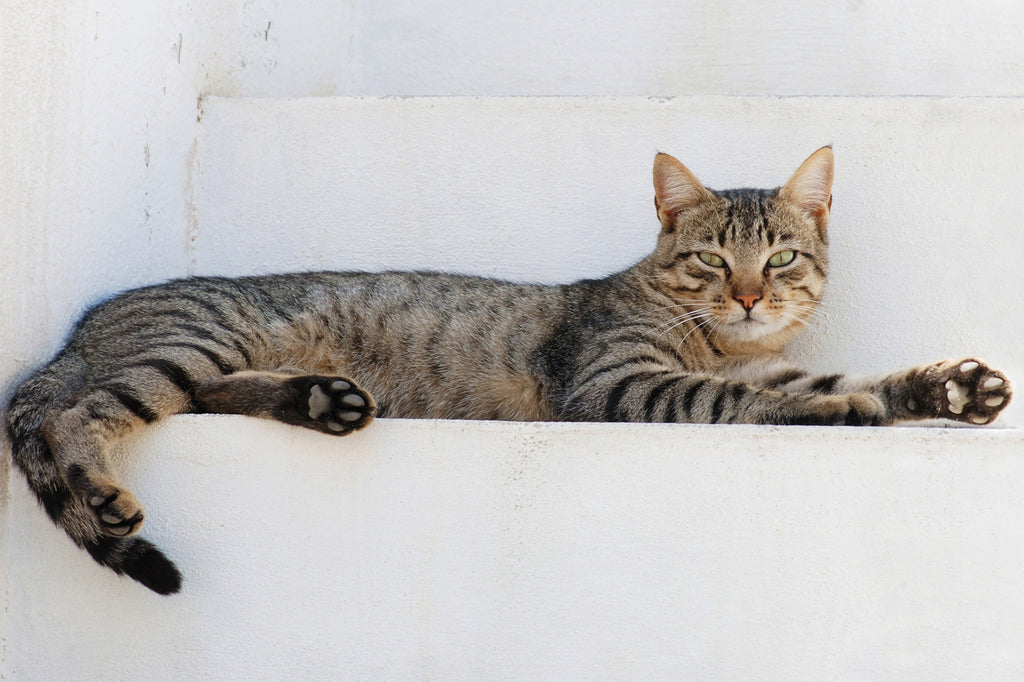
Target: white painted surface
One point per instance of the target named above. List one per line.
(925, 240)
(624, 47)
(451, 551)
(97, 119)
(98, 100)
(467, 551)
(96, 123)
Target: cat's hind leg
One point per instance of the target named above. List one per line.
(330, 404)
(80, 431)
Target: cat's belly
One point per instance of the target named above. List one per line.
(502, 396)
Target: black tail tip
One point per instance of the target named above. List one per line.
(139, 560)
(149, 566)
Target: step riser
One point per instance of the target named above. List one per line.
(640, 47)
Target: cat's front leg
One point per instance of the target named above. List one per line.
(642, 395)
(965, 390)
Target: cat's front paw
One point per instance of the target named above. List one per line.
(333, 405)
(965, 390)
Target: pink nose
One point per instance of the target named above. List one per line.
(748, 300)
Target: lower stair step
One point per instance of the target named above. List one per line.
(483, 550)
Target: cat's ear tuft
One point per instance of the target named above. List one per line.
(810, 188)
(676, 190)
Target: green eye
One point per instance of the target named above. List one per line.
(782, 258)
(711, 259)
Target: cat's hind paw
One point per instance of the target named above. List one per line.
(968, 390)
(332, 405)
(116, 510)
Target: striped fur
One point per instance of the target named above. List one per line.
(693, 333)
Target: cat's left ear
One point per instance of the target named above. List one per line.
(810, 188)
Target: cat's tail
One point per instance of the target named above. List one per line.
(132, 556)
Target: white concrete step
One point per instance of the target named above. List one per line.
(468, 551)
(925, 234)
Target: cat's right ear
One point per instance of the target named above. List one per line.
(676, 190)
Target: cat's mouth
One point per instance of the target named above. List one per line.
(747, 318)
(749, 326)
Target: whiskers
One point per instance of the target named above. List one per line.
(703, 316)
(712, 325)
(799, 310)
(688, 315)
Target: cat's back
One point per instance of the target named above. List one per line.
(425, 344)
(255, 304)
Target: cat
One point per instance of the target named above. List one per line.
(693, 333)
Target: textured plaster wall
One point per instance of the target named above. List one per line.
(114, 171)
(97, 129)
(100, 100)
(97, 113)
(641, 47)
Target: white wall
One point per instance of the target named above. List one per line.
(104, 186)
(641, 47)
(99, 101)
(97, 120)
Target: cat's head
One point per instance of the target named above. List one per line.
(751, 261)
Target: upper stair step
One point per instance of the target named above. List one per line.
(926, 240)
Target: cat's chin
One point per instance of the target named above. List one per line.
(749, 330)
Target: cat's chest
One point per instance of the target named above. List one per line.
(753, 370)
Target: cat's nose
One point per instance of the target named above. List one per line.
(748, 300)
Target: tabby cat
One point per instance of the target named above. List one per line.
(693, 333)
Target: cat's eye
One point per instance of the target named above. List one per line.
(711, 259)
(782, 258)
